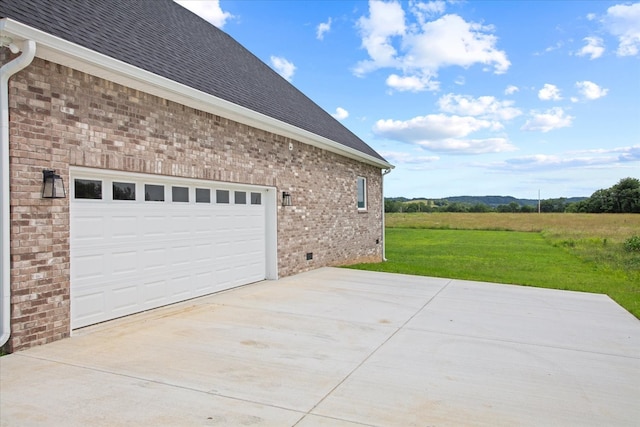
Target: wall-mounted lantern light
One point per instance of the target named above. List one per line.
(286, 199)
(52, 185)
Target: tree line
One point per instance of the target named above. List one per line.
(623, 197)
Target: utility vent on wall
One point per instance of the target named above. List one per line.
(309, 256)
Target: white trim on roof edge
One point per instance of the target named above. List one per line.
(60, 51)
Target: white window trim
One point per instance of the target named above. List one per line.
(364, 183)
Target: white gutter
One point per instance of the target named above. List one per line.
(7, 70)
(384, 236)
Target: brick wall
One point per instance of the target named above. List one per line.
(61, 117)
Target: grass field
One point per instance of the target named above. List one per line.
(580, 252)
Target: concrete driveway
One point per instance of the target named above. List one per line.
(336, 347)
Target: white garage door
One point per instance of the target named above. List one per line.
(143, 241)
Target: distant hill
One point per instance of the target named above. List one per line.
(502, 200)
(492, 201)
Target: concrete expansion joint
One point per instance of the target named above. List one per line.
(375, 350)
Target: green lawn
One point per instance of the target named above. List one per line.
(523, 258)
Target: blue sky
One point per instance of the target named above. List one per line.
(464, 97)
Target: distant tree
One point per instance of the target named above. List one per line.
(528, 209)
(480, 207)
(553, 205)
(417, 207)
(510, 208)
(624, 197)
(574, 208)
(392, 206)
(455, 207)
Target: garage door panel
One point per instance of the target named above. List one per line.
(154, 225)
(125, 262)
(154, 291)
(124, 299)
(89, 266)
(203, 282)
(124, 227)
(89, 228)
(129, 256)
(89, 307)
(154, 259)
(204, 252)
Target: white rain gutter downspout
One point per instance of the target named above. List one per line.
(6, 71)
(384, 238)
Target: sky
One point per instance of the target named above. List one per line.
(511, 98)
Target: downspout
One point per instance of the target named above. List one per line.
(6, 71)
(384, 238)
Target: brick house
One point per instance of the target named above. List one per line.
(188, 167)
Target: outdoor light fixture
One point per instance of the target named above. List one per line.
(286, 199)
(52, 185)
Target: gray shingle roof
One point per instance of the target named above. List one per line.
(164, 38)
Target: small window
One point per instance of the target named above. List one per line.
(256, 198)
(362, 193)
(153, 193)
(124, 191)
(87, 189)
(240, 198)
(203, 195)
(180, 194)
(222, 196)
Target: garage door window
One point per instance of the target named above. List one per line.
(240, 198)
(222, 196)
(124, 191)
(256, 198)
(87, 189)
(203, 195)
(153, 193)
(180, 194)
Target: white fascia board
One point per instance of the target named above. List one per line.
(60, 51)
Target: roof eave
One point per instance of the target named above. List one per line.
(60, 51)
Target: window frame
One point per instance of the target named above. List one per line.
(115, 184)
(149, 198)
(87, 181)
(363, 202)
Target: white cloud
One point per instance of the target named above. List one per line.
(385, 20)
(401, 157)
(549, 120)
(590, 90)
(283, 67)
(430, 127)
(411, 83)
(340, 113)
(486, 107)
(556, 46)
(511, 89)
(549, 92)
(450, 40)
(469, 146)
(583, 160)
(623, 21)
(209, 10)
(423, 11)
(443, 133)
(420, 50)
(594, 48)
(323, 27)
